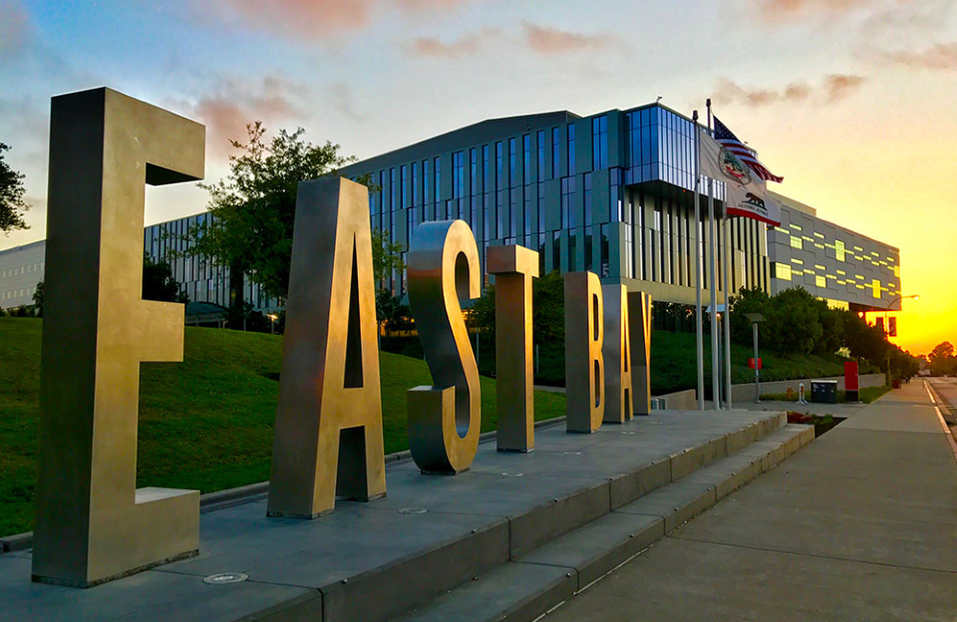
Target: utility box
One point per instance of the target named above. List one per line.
(852, 383)
(824, 391)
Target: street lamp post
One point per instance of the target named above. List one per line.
(756, 318)
(887, 330)
(272, 322)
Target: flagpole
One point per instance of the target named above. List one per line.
(713, 282)
(728, 254)
(699, 338)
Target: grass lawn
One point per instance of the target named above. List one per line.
(867, 395)
(673, 364)
(205, 424)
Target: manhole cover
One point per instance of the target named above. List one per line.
(412, 511)
(225, 577)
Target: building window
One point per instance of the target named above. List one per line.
(527, 158)
(568, 211)
(541, 154)
(780, 271)
(571, 149)
(796, 242)
(404, 187)
(512, 162)
(541, 207)
(839, 250)
(458, 175)
(415, 184)
(557, 250)
(589, 247)
(588, 199)
(572, 252)
(556, 152)
(499, 166)
(437, 174)
(820, 281)
(599, 133)
(473, 171)
(616, 211)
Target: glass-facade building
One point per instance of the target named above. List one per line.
(611, 193)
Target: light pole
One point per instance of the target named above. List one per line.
(272, 322)
(887, 330)
(756, 318)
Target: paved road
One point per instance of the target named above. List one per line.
(860, 525)
(947, 389)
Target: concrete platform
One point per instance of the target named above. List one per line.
(374, 561)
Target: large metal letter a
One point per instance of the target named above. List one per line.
(329, 419)
(92, 524)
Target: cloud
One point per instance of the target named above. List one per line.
(547, 40)
(466, 45)
(774, 10)
(940, 56)
(233, 103)
(15, 29)
(342, 99)
(309, 19)
(833, 88)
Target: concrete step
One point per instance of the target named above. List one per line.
(537, 581)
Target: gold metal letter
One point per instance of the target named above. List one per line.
(639, 321)
(514, 267)
(444, 420)
(92, 524)
(617, 354)
(329, 418)
(584, 333)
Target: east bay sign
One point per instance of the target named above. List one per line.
(94, 525)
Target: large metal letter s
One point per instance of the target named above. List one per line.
(92, 524)
(329, 417)
(444, 419)
(584, 364)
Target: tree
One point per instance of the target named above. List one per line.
(38, 299)
(12, 204)
(159, 284)
(253, 210)
(386, 256)
(941, 359)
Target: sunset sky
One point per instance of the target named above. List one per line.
(853, 101)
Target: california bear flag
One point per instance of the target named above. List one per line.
(747, 193)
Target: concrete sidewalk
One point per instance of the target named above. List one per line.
(861, 525)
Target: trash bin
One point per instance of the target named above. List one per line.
(824, 391)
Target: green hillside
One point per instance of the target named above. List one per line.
(206, 423)
(673, 364)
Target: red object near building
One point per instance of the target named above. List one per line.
(852, 381)
(751, 364)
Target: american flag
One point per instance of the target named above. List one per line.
(727, 138)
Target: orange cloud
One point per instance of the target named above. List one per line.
(233, 104)
(777, 9)
(465, 45)
(307, 19)
(834, 88)
(940, 56)
(546, 40)
(14, 27)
